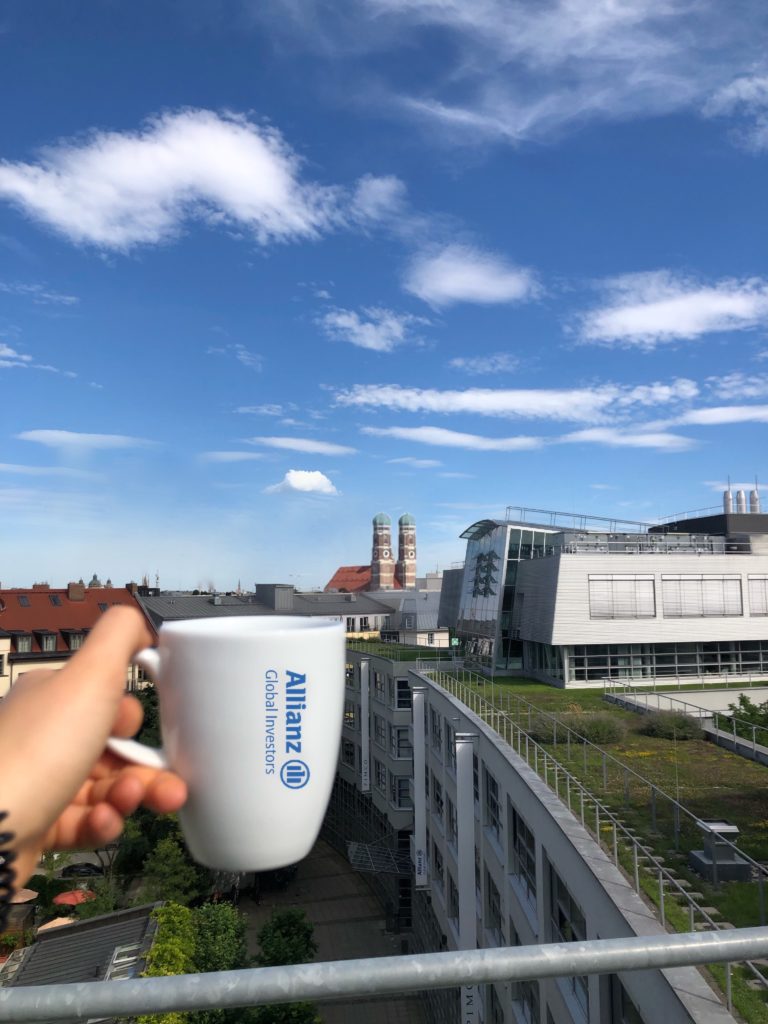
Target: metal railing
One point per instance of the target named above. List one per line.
(82, 1001)
(606, 828)
(715, 681)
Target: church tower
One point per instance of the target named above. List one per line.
(382, 563)
(406, 554)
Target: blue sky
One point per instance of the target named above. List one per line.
(268, 269)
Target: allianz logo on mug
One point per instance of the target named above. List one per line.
(251, 711)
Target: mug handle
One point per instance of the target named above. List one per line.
(130, 750)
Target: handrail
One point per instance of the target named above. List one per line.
(81, 1001)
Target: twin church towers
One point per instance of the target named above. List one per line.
(386, 574)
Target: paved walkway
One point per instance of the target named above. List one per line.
(348, 923)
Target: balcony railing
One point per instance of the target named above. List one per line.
(380, 976)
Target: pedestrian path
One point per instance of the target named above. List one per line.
(349, 924)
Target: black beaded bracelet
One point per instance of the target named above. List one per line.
(7, 874)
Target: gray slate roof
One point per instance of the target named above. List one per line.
(83, 951)
(169, 607)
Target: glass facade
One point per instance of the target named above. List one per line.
(623, 661)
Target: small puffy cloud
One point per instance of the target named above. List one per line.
(653, 308)
(376, 199)
(302, 444)
(443, 438)
(375, 328)
(476, 366)
(304, 481)
(262, 410)
(739, 385)
(69, 440)
(638, 438)
(117, 190)
(461, 273)
(11, 359)
(230, 456)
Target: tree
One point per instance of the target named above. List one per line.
(220, 945)
(286, 938)
(150, 705)
(168, 874)
(104, 902)
(172, 952)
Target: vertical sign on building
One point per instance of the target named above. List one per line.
(465, 813)
(421, 879)
(365, 729)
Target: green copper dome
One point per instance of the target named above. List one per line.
(382, 519)
(407, 520)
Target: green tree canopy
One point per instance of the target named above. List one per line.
(286, 938)
(168, 874)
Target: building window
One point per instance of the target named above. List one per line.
(525, 996)
(452, 822)
(351, 624)
(400, 791)
(493, 908)
(403, 694)
(400, 742)
(758, 595)
(2, 665)
(380, 775)
(450, 747)
(24, 644)
(363, 623)
(55, 600)
(23, 600)
(492, 806)
(495, 1009)
(349, 674)
(436, 732)
(348, 753)
(621, 597)
(701, 596)
(437, 799)
(103, 606)
(453, 900)
(430, 639)
(523, 850)
(350, 714)
(476, 778)
(379, 688)
(76, 641)
(438, 868)
(48, 642)
(379, 732)
(568, 925)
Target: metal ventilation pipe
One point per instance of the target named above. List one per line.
(727, 501)
(754, 500)
(741, 501)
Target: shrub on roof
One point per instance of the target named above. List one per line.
(599, 727)
(671, 725)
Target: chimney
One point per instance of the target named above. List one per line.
(132, 588)
(41, 586)
(76, 591)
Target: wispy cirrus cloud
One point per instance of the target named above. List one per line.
(63, 471)
(303, 481)
(408, 460)
(746, 98)
(517, 70)
(11, 359)
(650, 309)
(230, 456)
(591, 405)
(629, 438)
(38, 293)
(270, 409)
(442, 438)
(244, 356)
(117, 190)
(477, 366)
(463, 273)
(302, 444)
(71, 441)
(722, 414)
(374, 328)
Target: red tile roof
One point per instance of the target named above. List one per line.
(354, 578)
(39, 610)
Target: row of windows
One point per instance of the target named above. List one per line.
(397, 788)
(47, 641)
(716, 657)
(633, 596)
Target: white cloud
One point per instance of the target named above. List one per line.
(378, 329)
(79, 474)
(117, 190)
(496, 362)
(717, 415)
(455, 439)
(648, 309)
(739, 385)
(638, 438)
(302, 444)
(376, 199)
(70, 441)
(262, 410)
(39, 294)
(230, 456)
(513, 70)
(11, 359)
(243, 355)
(407, 460)
(305, 481)
(461, 273)
(590, 405)
(746, 97)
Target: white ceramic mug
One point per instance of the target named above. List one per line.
(251, 713)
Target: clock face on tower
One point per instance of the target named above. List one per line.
(385, 553)
(410, 554)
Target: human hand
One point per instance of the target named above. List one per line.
(61, 788)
